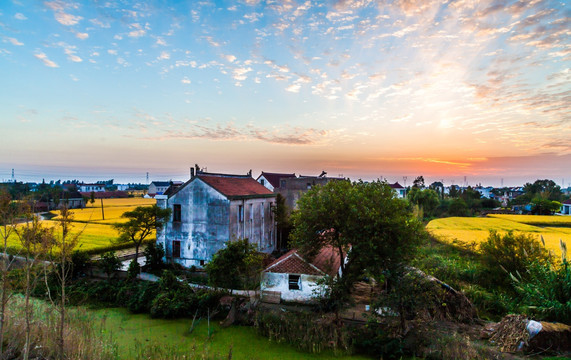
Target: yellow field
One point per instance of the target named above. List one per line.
(476, 230)
(96, 233)
(539, 220)
(112, 208)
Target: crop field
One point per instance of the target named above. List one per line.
(538, 220)
(476, 230)
(96, 234)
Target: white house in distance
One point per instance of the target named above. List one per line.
(211, 209)
(91, 188)
(293, 278)
(566, 207)
(401, 191)
(159, 187)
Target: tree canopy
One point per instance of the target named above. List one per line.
(142, 222)
(366, 218)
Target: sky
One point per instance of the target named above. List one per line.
(94, 90)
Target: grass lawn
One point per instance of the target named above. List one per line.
(474, 230)
(133, 330)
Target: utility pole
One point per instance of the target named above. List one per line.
(404, 178)
(13, 179)
(147, 178)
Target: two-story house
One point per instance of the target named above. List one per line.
(212, 209)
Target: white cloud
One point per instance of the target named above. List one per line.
(230, 58)
(20, 16)
(164, 56)
(137, 31)
(294, 88)
(67, 19)
(240, 73)
(161, 41)
(71, 56)
(14, 41)
(44, 58)
(81, 35)
(112, 52)
(185, 80)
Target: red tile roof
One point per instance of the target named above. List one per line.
(567, 202)
(235, 185)
(274, 178)
(327, 261)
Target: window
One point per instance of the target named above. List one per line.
(262, 210)
(175, 249)
(308, 186)
(263, 182)
(282, 183)
(294, 282)
(177, 213)
(201, 262)
(240, 213)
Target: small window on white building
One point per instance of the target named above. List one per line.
(263, 182)
(294, 282)
(240, 213)
(262, 210)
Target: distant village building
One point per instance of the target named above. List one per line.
(273, 181)
(294, 278)
(91, 188)
(292, 188)
(485, 192)
(566, 207)
(400, 190)
(159, 187)
(211, 209)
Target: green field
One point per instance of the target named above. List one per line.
(474, 230)
(132, 331)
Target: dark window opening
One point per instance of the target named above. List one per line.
(201, 262)
(177, 213)
(176, 249)
(294, 282)
(240, 213)
(282, 183)
(263, 182)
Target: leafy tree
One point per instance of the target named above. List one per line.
(418, 182)
(283, 223)
(364, 217)
(548, 189)
(109, 263)
(238, 265)
(438, 187)
(92, 198)
(540, 206)
(426, 199)
(154, 254)
(458, 207)
(142, 222)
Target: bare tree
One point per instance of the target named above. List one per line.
(8, 215)
(64, 244)
(36, 240)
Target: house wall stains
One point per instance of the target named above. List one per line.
(308, 289)
(209, 220)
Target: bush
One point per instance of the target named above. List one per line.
(512, 253)
(109, 263)
(80, 262)
(154, 255)
(546, 295)
(133, 270)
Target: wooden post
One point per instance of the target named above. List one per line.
(102, 212)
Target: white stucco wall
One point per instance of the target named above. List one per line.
(266, 183)
(279, 282)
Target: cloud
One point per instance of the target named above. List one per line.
(164, 56)
(81, 35)
(71, 55)
(230, 58)
(44, 58)
(14, 41)
(185, 80)
(20, 16)
(240, 73)
(138, 30)
(294, 88)
(67, 19)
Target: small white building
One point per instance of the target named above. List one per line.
(91, 188)
(296, 279)
(400, 190)
(273, 181)
(566, 207)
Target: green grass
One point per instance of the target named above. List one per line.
(131, 331)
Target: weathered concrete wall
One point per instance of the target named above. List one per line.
(257, 222)
(209, 220)
(204, 225)
(279, 282)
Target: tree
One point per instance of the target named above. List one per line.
(366, 218)
(540, 206)
(438, 187)
(109, 263)
(283, 224)
(237, 265)
(427, 199)
(418, 182)
(154, 254)
(546, 189)
(142, 222)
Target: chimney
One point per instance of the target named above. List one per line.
(191, 172)
(250, 173)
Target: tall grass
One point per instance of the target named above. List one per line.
(84, 337)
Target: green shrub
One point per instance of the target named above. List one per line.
(154, 255)
(109, 263)
(511, 253)
(134, 270)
